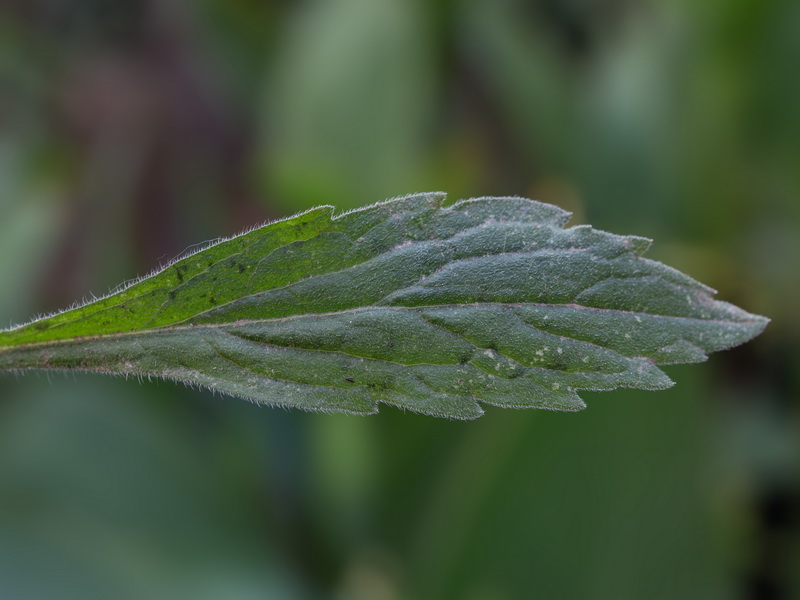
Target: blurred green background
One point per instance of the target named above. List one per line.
(132, 129)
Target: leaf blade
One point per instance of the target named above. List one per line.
(437, 309)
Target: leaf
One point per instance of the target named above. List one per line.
(411, 302)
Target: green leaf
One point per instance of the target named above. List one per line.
(411, 302)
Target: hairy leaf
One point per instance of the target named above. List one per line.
(411, 302)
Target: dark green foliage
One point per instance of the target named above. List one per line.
(410, 302)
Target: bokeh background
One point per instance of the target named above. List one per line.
(132, 129)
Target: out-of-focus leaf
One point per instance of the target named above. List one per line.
(28, 224)
(349, 110)
(408, 302)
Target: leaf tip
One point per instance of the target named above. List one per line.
(755, 326)
(638, 244)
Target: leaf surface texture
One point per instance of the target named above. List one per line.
(411, 302)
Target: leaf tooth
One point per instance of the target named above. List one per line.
(679, 352)
(639, 244)
(526, 393)
(397, 205)
(459, 407)
(523, 209)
